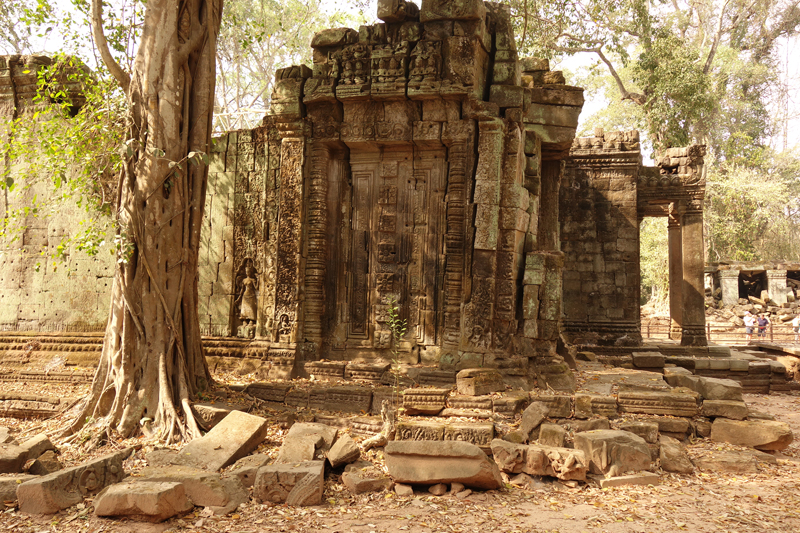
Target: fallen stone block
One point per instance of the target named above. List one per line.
(479, 381)
(236, 436)
(579, 426)
(304, 440)
(9, 484)
(5, 436)
(613, 452)
(760, 434)
(12, 458)
(732, 462)
(440, 489)
(65, 488)
(424, 401)
(532, 416)
(432, 462)
(557, 406)
(364, 476)
(149, 501)
(648, 360)
(725, 409)
(298, 484)
(552, 435)
(37, 445)
(246, 468)
(343, 451)
(657, 403)
(47, 463)
(641, 478)
(673, 456)
(538, 460)
(205, 489)
(647, 430)
(720, 389)
(403, 490)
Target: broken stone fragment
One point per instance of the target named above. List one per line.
(673, 456)
(479, 381)
(47, 463)
(37, 445)
(303, 440)
(59, 490)
(235, 437)
(760, 434)
(12, 458)
(432, 462)
(613, 452)
(298, 484)
(440, 489)
(151, 501)
(403, 490)
(532, 417)
(246, 468)
(343, 451)
(538, 460)
(725, 409)
(364, 476)
(640, 478)
(647, 430)
(205, 489)
(720, 389)
(5, 436)
(9, 484)
(552, 435)
(732, 462)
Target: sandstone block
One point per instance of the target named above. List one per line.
(151, 501)
(759, 434)
(538, 460)
(431, 462)
(479, 381)
(552, 435)
(403, 490)
(246, 468)
(236, 436)
(359, 483)
(613, 452)
(647, 430)
(733, 462)
(298, 484)
(37, 445)
(46, 463)
(579, 426)
(648, 360)
(205, 489)
(59, 490)
(673, 456)
(12, 458)
(9, 484)
(657, 403)
(343, 451)
(725, 409)
(641, 478)
(532, 416)
(720, 389)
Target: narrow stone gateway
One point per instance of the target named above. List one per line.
(416, 165)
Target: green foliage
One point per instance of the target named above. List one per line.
(397, 326)
(68, 144)
(654, 262)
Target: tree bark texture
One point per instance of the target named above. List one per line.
(152, 363)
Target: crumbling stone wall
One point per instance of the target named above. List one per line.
(35, 294)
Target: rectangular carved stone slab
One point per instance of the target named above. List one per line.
(477, 434)
(419, 430)
(558, 406)
(271, 392)
(657, 403)
(424, 401)
(236, 436)
(65, 488)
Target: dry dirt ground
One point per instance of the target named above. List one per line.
(701, 502)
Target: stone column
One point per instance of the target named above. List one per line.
(776, 285)
(694, 318)
(729, 283)
(317, 254)
(675, 277)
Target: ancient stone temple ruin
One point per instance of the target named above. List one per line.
(414, 169)
(422, 174)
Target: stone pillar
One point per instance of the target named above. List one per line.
(776, 285)
(317, 255)
(549, 238)
(694, 318)
(729, 283)
(675, 277)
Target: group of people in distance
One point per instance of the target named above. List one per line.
(751, 322)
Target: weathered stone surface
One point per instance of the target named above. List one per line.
(343, 451)
(236, 436)
(538, 460)
(206, 489)
(613, 452)
(673, 456)
(9, 484)
(46, 463)
(12, 458)
(403, 490)
(479, 381)
(557, 406)
(733, 462)
(720, 389)
(641, 478)
(5, 436)
(647, 430)
(363, 476)
(657, 403)
(579, 426)
(424, 401)
(552, 435)
(298, 484)
(303, 440)
(37, 445)
(759, 434)
(431, 462)
(440, 489)
(59, 490)
(725, 408)
(151, 501)
(246, 468)
(648, 360)
(532, 416)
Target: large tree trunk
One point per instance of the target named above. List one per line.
(152, 363)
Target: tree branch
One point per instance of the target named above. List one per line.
(120, 75)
